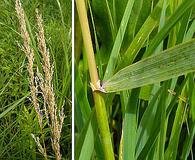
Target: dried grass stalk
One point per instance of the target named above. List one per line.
(33, 85)
(30, 56)
(55, 122)
(54, 116)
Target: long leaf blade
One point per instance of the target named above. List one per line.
(119, 40)
(151, 22)
(12, 106)
(168, 64)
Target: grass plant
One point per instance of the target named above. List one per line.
(144, 53)
(43, 108)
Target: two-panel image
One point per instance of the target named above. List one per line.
(97, 80)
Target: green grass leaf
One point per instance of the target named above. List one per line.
(175, 17)
(168, 64)
(13, 105)
(188, 142)
(151, 22)
(130, 126)
(172, 149)
(85, 142)
(119, 39)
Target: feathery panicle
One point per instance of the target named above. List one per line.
(51, 109)
(32, 79)
(53, 116)
(30, 56)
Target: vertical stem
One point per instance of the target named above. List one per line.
(82, 13)
(101, 114)
(102, 121)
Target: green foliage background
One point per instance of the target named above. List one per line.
(17, 116)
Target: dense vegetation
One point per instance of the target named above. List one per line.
(143, 107)
(18, 119)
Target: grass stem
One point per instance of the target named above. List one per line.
(101, 114)
(87, 41)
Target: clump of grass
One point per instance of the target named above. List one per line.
(145, 120)
(49, 110)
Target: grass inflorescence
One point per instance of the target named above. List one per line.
(35, 89)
